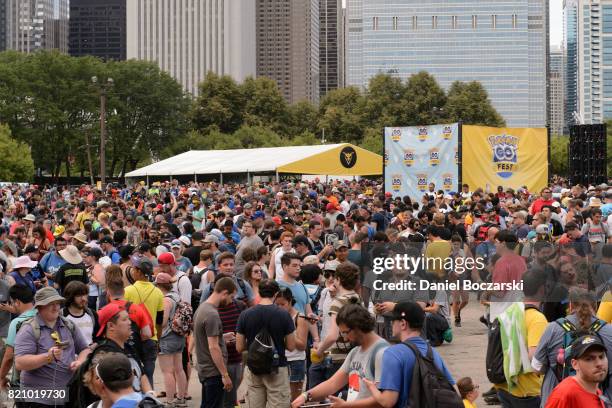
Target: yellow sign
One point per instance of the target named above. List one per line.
(422, 134)
(421, 180)
(396, 182)
(508, 157)
(434, 157)
(447, 132)
(408, 157)
(447, 182)
(396, 134)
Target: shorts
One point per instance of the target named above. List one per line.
(297, 370)
(171, 343)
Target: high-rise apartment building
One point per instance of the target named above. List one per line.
(502, 44)
(331, 58)
(33, 25)
(570, 58)
(3, 23)
(588, 25)
(288, 46)
(189, 38)
(97, 27)
(556, 88)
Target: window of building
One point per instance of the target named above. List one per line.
(374, 23)
(607, 18)
(454, 21)
(415, 23)
(474, 22)
(514, 21)
(395, 22)
(434, 22)
(494, 21)
(607, 50)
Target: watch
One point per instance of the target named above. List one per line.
(307, 396)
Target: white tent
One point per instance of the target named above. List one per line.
(262, 160)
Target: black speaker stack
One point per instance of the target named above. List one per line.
(588, 154)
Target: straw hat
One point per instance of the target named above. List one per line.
(71, 255)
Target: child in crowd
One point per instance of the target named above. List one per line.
(468, 391)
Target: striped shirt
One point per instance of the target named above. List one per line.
(229, 319)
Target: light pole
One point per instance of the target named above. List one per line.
(102, 87)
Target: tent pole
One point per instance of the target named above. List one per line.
(248, 178)
(221, 178)
(147, 180)
(277, 179)
(195, 177)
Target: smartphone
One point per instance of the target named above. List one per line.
(319, 405)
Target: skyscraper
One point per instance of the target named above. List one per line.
(189, 38)
(570, 57)
(33, 25)
(588, 25)
(288, 46)
(502, 44)
(3, 23)
(330, 45)
(97, 27)
(556, 102)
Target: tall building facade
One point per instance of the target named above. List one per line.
(502, 44)
(588, 23)
(189, 38)
(288, 46)
(556, 102)
(97, 27)
(3, 23)
(570, 57)
(331, 58)
(33, 25)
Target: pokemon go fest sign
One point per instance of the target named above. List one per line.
(510, 157)
(419, 155)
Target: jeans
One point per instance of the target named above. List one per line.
(235, 373)
(149, 352)
(320, 372)
(212, 392)
(510, 401)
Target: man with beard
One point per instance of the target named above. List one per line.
(582, 390)
(210, 346)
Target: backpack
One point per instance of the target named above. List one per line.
(495, 352)
(182, 319)
(430, 388)
(564, 354)
(150, 402)
(262, 357)
(134, 343)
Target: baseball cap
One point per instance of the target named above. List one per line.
(143, 264)
(106, 314)
(582, 344)
(340, 244)
(410, 312)
(176, 243)
(210, 238)
(248, 205)
(556, 204)
(287, 220)
(184, 240)
(164, 278)
(167, 258)
(114, 368)
(166, 236)
(542, 229)
(259, 214)
(106, 240)
(330, 206)
(47, 295)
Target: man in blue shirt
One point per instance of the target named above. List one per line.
(398, 360)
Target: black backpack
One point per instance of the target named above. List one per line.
(150, 402)
(430, 388)
(262, 357)
(495, 352)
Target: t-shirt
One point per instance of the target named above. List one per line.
(570, 394)
(435, 255)
(128, 401)
(358, 366)
(229, 315)
(70, 272)
(138, 314)
(341, 347)
(398, 363)
(183, 264)
(12, 331)
(468, 404)
(605, 308)
(142, 292)
(300, 294)
(5, 317)
(85, 323)
(207, 323)
(278, 322)
(529, 384)
(193, 253)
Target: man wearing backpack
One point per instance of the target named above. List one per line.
(362, 362)
(397, 388)
(22, 299)
(582, 390)
(211, 352)
(45, 361)
(267, 375)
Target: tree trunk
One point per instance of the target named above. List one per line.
(123, 166)
(68, 168)
(113, 164)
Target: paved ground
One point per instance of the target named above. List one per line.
(465, 356)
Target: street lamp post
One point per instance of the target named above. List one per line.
(103, 89)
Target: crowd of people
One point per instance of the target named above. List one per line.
(278, 286)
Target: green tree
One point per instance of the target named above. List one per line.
(264, 104)
(384, 101)
(423, 100)
(256, 136)
(304, 139)
(559, 154)
(340, 115)
(469, 103)
(301, 117)
(220, 103)
(373, 140)
(17, 164)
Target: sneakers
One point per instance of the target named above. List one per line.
(492, 391)
(177, 403)
(458, 321)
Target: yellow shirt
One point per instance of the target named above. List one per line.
(150, 295)
(436, 255)
(605, 308)
(529, 384)
(468, 404)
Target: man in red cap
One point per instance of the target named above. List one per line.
(332, 214)
(182, 285)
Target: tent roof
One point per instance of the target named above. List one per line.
(267, 159)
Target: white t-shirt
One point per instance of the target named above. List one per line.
(182, 286)
(85, 323)
(278, 254)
